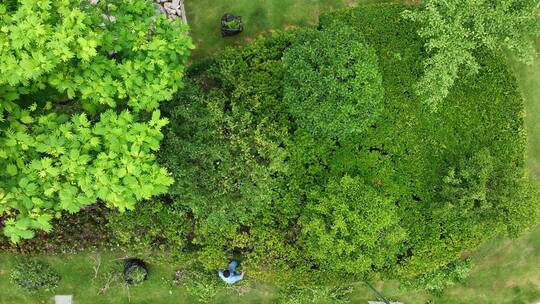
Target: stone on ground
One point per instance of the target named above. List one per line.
(64, 299)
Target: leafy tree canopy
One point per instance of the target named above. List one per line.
(58, 58)
(454, 29)
(102, 54)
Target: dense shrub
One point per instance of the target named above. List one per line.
(332, 84)
(66, 164)
(416, 150)
(345, 227)
(223, 146)
(152, 228)
(33, 276)
(437, 280)
(402, 198)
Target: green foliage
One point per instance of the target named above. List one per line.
(105, 53)
(152, 228)
(227, 146)
(65, 56)
(455, 28)
(203, 286)
(396, 200)
(482, 193)
(295, 295)
(333, 85)
(525, 293)
(346, 228)
(57, 163)
(221, 145)
(233, 24)
(70, 233)
(135, 275)
(413, 149)
(437, 280)
(34, 276)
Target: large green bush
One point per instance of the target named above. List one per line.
(56, 163)
(223, 146)
(481, 126)
(332, 84)
(110, 52)
(400, 199)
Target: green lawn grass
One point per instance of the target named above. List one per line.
(78, 278)
(505, 271)
(528, 77)
(258, 16)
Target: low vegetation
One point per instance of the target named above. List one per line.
(33, 276)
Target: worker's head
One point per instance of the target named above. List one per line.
(226, 273)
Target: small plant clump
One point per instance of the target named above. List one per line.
(231, 25)
(135, 271)
(136, 275)
(33, 276)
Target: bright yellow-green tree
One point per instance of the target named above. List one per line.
(68, 58)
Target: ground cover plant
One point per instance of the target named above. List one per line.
(34, 275)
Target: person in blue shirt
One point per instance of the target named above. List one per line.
(229, 276)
